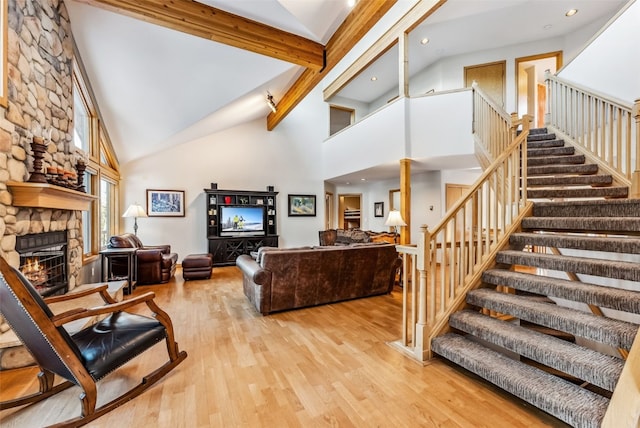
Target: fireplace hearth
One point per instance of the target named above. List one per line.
(43, 260)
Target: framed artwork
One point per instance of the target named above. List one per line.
(378, 209)
(4, 12)
(302, 205)
(165, 203)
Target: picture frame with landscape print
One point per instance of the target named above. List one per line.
(302, 205)
(165, 203)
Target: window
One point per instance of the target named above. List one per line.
(81, 120)
(102, 177)
(108, 218)
(340, 118)
(88, 216)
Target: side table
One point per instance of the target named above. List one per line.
(129, 255)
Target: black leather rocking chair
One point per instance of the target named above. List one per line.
(90, 354)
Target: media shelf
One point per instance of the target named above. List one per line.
(240, 222)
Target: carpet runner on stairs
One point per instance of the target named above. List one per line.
(598, 238)
(555, 171)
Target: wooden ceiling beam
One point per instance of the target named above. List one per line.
(362, 18)
(214, 24)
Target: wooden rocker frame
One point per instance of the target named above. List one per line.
(58, 353)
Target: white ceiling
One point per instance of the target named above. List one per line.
(158, 87)
(464, 26)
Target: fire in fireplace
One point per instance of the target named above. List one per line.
(43, 261)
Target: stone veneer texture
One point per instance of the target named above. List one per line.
(40, 103)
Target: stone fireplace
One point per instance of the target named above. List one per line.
(43, 261)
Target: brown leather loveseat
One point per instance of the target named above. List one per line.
(292, 278)
(155, 264)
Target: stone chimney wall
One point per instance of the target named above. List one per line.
(40, 103)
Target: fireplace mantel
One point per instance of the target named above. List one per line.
(43, 195)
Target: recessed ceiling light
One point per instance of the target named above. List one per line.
(424, 41)
(374, 78)
(571, 12)
(363, 179)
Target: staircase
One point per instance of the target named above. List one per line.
(555, 171)
(598, 267)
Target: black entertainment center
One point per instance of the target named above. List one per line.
(239, 222)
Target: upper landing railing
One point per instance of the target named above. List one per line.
(606, 130)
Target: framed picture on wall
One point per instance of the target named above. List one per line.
(302, 205)
(165, 203)
(378, 209)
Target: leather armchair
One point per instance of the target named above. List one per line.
(155, 264)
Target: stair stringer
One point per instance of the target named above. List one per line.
(618, 178)
(624, 407)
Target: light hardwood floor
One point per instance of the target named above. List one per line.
(328, 366)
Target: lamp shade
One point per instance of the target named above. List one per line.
(134, 210)
(395, 219)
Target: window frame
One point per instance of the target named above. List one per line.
(99, 144)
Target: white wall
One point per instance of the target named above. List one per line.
(374, 140)
(448, 73)
(441, 125)
(246, 157)
(611, 63)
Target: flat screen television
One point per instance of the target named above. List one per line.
(238, 220)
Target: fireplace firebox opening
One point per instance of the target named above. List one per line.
(43, 261)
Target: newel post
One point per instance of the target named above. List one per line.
(634, 192)
(514, 127)
(547, 107)
(422, 341)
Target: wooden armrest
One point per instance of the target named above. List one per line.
(74, 295)
(79, 313)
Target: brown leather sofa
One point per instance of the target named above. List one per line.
(155, 264)
(283, 279)
(352, 236)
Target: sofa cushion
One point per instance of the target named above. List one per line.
(126, 240)
(350, 236)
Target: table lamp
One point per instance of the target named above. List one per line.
(135, 211)
(395, 220)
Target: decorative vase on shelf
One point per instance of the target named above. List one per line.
(80, 168)
(39, 149)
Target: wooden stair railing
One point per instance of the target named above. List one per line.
(605, 130)
(466, 240)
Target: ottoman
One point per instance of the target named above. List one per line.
(197, 266)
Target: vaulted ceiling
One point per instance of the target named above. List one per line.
(169, 71)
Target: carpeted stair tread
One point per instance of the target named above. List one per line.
(550, 151)
(564, 400)
(589, 266)
(592, 208)
(556, 160)
(613, 244)
(587, 192)
(587, 224)
(609, 331)
(571, 180)
(537, 131)
(562, 335)
(583, 363)
(544, 144)
(539, 137)
(601, 296)
(562, 169)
